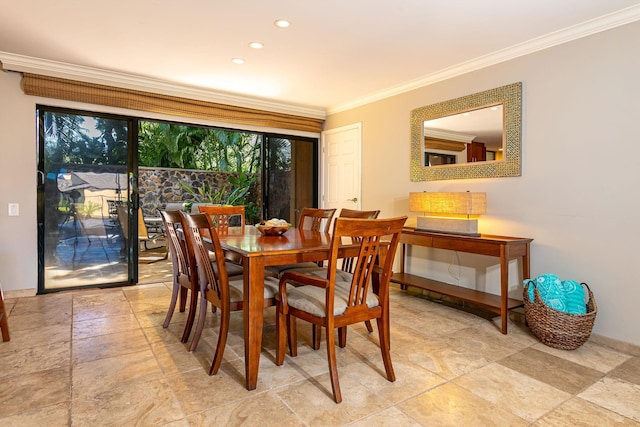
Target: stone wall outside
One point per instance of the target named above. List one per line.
(159, 186)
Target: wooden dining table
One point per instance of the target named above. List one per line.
(258, 251)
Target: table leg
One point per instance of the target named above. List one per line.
(253, 317)
(526, 267)
(402, 263)
(504, 288)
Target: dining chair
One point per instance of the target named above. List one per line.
(185, 275)
(313, 219)
(4, 323)
(216, 287)
(344, 273)
(346, 270)
(332, 303)
(223, 216)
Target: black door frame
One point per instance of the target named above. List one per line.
(131, 195)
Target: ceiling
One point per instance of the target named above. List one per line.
(336, 54)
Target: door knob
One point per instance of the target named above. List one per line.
(354, 200)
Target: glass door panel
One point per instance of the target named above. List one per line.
(291, 181)
(83, 191)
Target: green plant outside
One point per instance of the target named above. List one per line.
(188, 147)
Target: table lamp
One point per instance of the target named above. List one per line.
(452, 213)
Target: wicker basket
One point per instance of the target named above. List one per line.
(555, 328)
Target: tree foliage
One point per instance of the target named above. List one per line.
(190, 147)
(75, 139)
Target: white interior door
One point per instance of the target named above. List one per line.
(341, 171)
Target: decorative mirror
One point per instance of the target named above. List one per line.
(475, 136)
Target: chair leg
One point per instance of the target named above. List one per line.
(292, 333)
(333, 368)
(369, 326)
(281, 334)
(200, 325)
(385, 346)
(190, 316)
(342, 337)
(222, 342)
(316, 334)
(183, 298)
(172, 304)
(4, 324)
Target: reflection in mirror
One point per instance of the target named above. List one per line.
(475, 136)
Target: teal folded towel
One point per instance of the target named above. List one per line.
(574, 297)
(567, 296)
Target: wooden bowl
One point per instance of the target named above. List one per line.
(272, 230)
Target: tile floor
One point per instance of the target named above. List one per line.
(101, 357)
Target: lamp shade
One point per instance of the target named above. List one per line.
(463, 203)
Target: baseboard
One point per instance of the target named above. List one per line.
(517, 315)
(20, 293)
(621, 346)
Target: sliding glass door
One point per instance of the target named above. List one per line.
(88, 196)
(84, 166)
(291, 171)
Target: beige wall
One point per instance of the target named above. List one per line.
(578, 194)
(576, 197)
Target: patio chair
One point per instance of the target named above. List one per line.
(143, 234)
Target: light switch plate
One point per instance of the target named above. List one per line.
(14, 209)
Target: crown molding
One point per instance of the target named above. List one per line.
(584, 29)
(448, 135)
(20, 63)
(45, 67)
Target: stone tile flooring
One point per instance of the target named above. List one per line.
(101, 357)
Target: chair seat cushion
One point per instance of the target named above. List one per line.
(312, 299)
(279, 269)
(342, 276)
(236, 287)
(233, 269)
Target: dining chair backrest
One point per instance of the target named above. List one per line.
(347, 263)
(352, 213)
(201, 227)
(223, 216)
(316, 219)
(184, 268)
(174, 224)
(179, 206)
(369, 234)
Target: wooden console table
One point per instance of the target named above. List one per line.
(505, 248)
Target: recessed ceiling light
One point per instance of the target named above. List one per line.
(237, 61)
(256, 45)
(281, 23)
